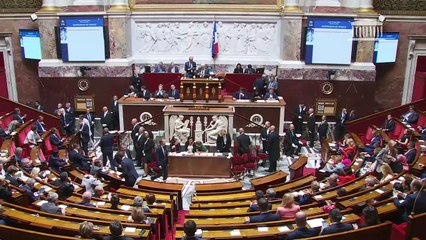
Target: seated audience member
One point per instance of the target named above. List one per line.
(160, 93)
(174, 93)
(175, 145)
(3, 133)
(90, 182)
(264, 215)
(370, 182)
(374, 142)
(17, 157)
(240, 94)
(86, 230)
(411, 152)
(51, 205)
(85, 199)
(404, 186)
(79, 160)
(190, 145)
(54, 138)
(399, 164)
(347, 177)
(371, 217)
(160, 68)
(11, 175)
(389, 124)
(138, 216)
(270, 95)
(32, 137)
(38, 106)
(352, 115)
(41, 127)
(116, 230)
(66, 188)
(238, 68)
(144, 93)
(12, 126)
(301, 231)
(386, 172)
(115, 201)
(138, 202)
(330, 205)
(415, 202)
(190, 228)
(422, 171)
(291, 142)
(405, 139)
(331, 181)
(349, 150)
(250, 70)
(410, 117)
(305, 198)
(39, 175)
(199, 147)
(150, 199)
(26, 165)
(254, 207)
(422, 131)
(28, 187)
(5, 191)
(18, 116)
(223, 141)
(288, 208)
(271, 194)
(335, 167)
(132, 92)
(99, 192)
(56, 163)
(173, 68)
(336, 225)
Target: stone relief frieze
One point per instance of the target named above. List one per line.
(16, 6)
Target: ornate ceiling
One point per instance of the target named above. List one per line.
(400, 7)
(19, 6)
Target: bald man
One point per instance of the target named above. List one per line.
(273, 149)
(243, 142)
(106, 119)
(302, 231)
(190, 67)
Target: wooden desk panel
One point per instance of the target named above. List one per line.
(218, 187)
(262, 183)
(199, 166)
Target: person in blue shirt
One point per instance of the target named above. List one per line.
(271, 95)
(302, 231)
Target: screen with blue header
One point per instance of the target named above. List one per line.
(329, 41)
(82, 39)
(385, 48)
(30, 44)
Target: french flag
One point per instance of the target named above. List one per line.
(215, 43)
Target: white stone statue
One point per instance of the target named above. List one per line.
(179, 128)
(214, 128)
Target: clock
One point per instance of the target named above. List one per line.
(327, 88)
(83, 85)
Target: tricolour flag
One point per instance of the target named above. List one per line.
(215, 43)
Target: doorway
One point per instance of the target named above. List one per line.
(3, 80)
(419, 87)
(7, 69)
(415, 72)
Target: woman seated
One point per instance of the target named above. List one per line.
(199, 147)
(370, 217)
(39, 175)
(374, 142)
(190, 145)
(175, 145)
(405, 139)
(387, 173)
(238, 68)
(347, 177)
(138, 216)
(349, 151)
(399, 163)
(288, 208)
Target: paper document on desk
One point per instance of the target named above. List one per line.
(41, 202)
(316, 222)
(125, 207)
(262, 229)
(235, 232)
(242, 100)
(130, 229)
(284, 229)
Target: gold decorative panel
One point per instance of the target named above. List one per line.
(20, 6)
(400, 7)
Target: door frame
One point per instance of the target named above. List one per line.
(7, 49)
(416, 48)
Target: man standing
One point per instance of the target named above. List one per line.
(299, 112)
(190, 67)
(91, 119)
(106, 119)
(162, 160)
(139, 143)
(107, 140)
(67, 122)
(323, 129)
(341, 119)
(129, 172)
(273, 149)
(311, 127)
(84, 134)
(69, 109)
(264, 136)
(243, 142)
(115, 116)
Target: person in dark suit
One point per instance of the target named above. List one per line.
(162, 161)
(160, 68)
(203, 71)
(264, 215)
(190, 67)
(91, 119)
(56, 163)
(106, 119)
(352, 115)
(5, 191)
(3, 133)
(422, 131)
(389, 124)
(144, 93)
(85, 199)
(238, 68)
(11, 175)
(79, 160)
(415, 202)
(243, 142)
(250, 70)
(240, 94)
(264, 136)
(190, 228)
(54, 138)
(173, 68)
(291, 142)
(174, 93)
(38, 106)
(51, 205)
(411, 152)
(128, 169)
(28, 187)
(148, 148)
(311, 127)
(340, 128)
(67, 122)
(323, 129)
(69, 109)
(371, 217)
(84, 134)
(19, 117)
(273, 149)
(114, 112)
(41, 127)
(106, 143)
(116, 230)
(271, 94)
(65, 187)
(223, 141)
(139, 142)
(160, 93)
(301, 231)
(336, 225)
(259, 85)
(299, 113)
(410, 117)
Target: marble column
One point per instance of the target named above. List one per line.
(292, 6)
(327, 3)
(350, 3)
(364, 51)
(47, 36)
(292, 30)
(119, 26)
(88, 2)
(49, 6)
(366, 6)
(120, 5)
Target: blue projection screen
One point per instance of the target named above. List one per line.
(385, 48)
(329, 41)
(30, 44)
(82, 39)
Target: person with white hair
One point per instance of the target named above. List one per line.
(28, 188)
(85, 199)
(51, 205)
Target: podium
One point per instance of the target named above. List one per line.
(296, 168)
(200, 89)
